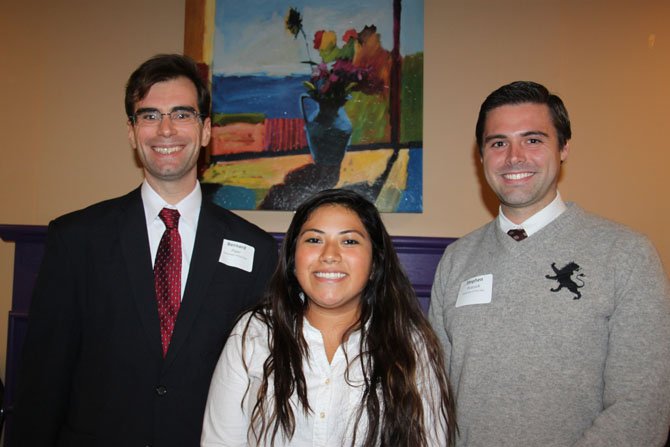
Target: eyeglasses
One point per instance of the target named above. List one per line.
(152, 117)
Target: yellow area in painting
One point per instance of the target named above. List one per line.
(258, 173)
(391, 192)
(357, 167)
(363, 166)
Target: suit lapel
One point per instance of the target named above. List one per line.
(135, 247)
(206, 251)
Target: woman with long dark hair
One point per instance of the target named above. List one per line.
(338, 353)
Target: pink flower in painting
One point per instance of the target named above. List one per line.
(320, 71)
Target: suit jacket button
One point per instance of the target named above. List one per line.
(161, 390)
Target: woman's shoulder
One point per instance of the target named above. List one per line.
(252, 324)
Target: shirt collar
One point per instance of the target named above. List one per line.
(312, 333)
(188, 207)
(538, 220)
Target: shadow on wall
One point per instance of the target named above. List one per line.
(488, 197)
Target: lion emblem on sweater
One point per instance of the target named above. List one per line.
(565, 278)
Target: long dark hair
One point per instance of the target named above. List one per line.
(396, 343)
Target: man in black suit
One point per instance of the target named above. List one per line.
(102, 365)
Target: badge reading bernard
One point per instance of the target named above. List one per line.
(237, 254)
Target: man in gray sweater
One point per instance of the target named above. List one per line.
(560, 334)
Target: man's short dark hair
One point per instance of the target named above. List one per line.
(165, 67)
(521, 92)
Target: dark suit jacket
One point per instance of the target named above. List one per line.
(92, 372)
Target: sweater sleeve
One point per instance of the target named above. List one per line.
(636, 397)
(436, 310)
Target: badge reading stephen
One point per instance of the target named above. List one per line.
(476, 290)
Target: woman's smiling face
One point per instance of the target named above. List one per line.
(333, 259)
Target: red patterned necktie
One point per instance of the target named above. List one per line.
(167, 275)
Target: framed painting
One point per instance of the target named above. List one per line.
(311, 95)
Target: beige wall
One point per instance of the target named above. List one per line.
(64, 65)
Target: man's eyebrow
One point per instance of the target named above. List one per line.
(174, 109)
(530, 133)
(188, 108)
(494, 137)
(146, 109)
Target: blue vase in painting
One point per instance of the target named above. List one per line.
(328, 130)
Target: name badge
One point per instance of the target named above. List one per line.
(476, 290)
(237, 254)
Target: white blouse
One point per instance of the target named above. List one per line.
(333, 397)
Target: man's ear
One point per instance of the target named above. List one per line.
(131, 134)
(564, 152)
(206, 131)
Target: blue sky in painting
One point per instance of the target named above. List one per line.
(250, 36)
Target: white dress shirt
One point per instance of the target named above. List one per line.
(333, 398)
(538, 220)
(189, 212)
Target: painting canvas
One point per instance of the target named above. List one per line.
(314, 95)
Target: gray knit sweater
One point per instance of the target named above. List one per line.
(586, 364)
